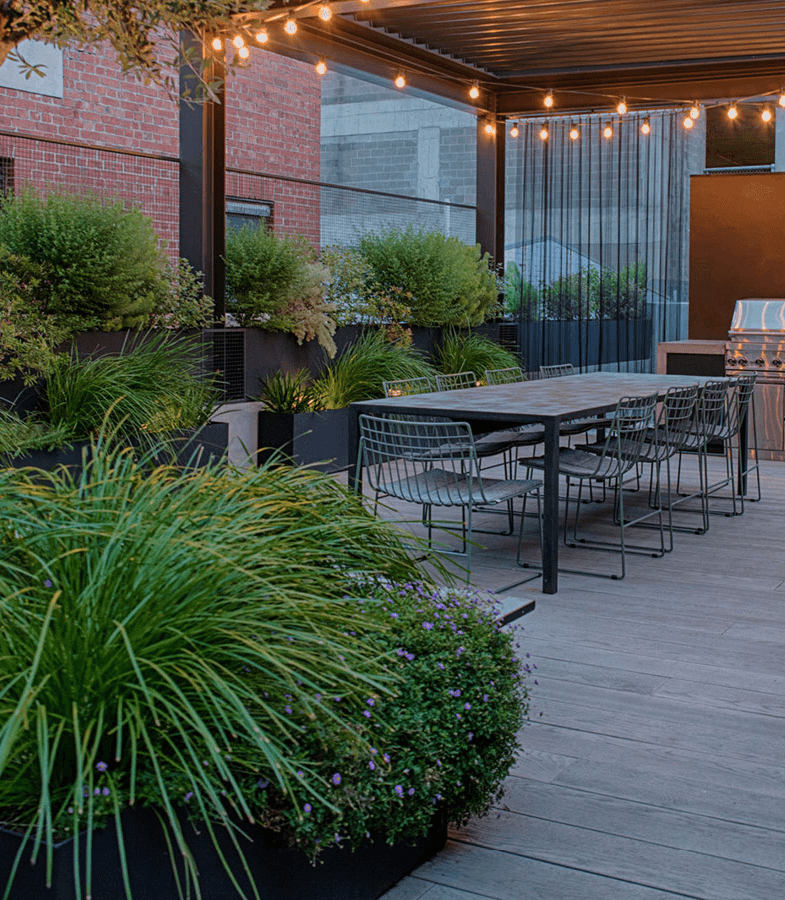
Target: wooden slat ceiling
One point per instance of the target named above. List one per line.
(588, 52)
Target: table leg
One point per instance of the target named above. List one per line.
(550, 550)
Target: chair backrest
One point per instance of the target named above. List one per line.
(406, 387)
(557, 371)
(419, 461)
(510, 375)
(626, 437)
(456, 381)
(713, 420)
(742, 390)
(677, 415)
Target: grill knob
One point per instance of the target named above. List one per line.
(776, 362)
(760, 361)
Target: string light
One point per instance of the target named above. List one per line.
(243, 52)
(621, 107)
(695, 111)
(400, 81)
(238, 41)
(732, 111)
(321, 67)
(217, 44)
(262, 37)
(490, 127)
(474, 91)
(574, 133)
(544, 133)
(548, 101)
(325, 12)
(514, 131)
(688, 122)
(766, 115)
(646, 127)
(608, 131)
(290, 26)
(781, 101)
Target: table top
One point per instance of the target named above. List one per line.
(534, 401)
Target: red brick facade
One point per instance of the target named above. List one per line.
(273, 127)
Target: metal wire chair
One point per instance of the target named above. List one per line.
(510, 375)
(620, 453)
(407, 387)
(435, 464)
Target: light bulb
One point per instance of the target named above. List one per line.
(262, 37)
(325, 12)
(400, 81)
(514, 131)
(243, 53)
(490, 128)
(474, 91)
(543, 133)
(688, 122)
(321, 67)
(290, 26)
(695, 111)
(646, 127)
(732, 111)
(217, 44)
(621, 107)
(238, 41)
(781, 101)
(608, 131)
(766, 115)
(574, 133)
(548, 101)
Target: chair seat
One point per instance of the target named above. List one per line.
(526, 436)
(581, 426)
(438, 487)
(579, 464)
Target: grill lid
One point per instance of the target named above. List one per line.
(758, 316)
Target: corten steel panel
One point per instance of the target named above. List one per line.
(737, 236)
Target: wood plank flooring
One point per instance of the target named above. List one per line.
(653, 765)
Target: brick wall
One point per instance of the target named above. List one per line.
(273, 121)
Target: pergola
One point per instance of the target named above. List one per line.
(587, 54)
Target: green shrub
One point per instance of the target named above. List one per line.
(471, 352)
(288, 392)
(19, 436)
(520, 297)
(149, 389)
(359, 372)
(100, 263)
(151, 625)
(182, 306)
(273, 282)
(450, 283)
(594, 293)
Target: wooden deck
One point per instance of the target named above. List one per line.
(653, 766)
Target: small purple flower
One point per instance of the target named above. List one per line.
(105, 791)
(336, 779)
(374, 751)
(485, 698)
(398, 790)
(371, 764)
(411, 792)
(386, 757)
(370, 701)
(441, 666)
(467, 706)
(427, 625)
(410, 656)
(97, 792)
(48, 583)
(287, 710)
(262, 783)
(471, 735)
(307, 807)
(301, 774)
(188, 796)
(367, 713)
(101, 766)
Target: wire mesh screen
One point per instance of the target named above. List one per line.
(224, 349)
(48, 165)
(596, 253)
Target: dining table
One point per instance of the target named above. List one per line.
(549, 402)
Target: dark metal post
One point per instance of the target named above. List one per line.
(490, 189)
(203, 171)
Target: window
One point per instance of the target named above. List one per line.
(744, 142)
(247, 213)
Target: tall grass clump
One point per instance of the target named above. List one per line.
(471, 352)
(358, 373)
(149, 389)
(150, 624)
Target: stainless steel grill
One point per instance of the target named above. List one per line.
(757, 344)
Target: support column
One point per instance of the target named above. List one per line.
(490, 189)
(203, 171)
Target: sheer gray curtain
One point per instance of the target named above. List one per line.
(597, 238)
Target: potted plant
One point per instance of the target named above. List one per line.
(176, 660)
(307, 419)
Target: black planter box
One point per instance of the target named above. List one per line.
(279, 872)
(318, 439)
(193, 448)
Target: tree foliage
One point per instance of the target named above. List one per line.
(138, 30)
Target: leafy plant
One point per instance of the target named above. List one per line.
(359, 371)
(450, 283)
(442, 741)
(149, 389)
(152, 622)
(23, 435)
(99, 262)
(273, 282)
(182, 306)
(288, 392)
(594, 293)
(471, 352)
(520, 297)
